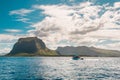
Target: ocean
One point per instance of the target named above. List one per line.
(59, 68)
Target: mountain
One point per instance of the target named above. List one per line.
(87, 51)
(31, 46)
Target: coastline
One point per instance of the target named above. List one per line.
(53, 56)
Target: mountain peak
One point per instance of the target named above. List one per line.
(31, 45)
(28, 38)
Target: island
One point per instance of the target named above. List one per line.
(33, 46)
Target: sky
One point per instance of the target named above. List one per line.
(61, 23)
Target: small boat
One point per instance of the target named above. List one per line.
(77, 58)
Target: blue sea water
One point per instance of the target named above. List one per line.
(59, 68)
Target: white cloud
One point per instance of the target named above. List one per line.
(4, 51)
(111, 46)
(13, 30)
(5, 48)
(114, 46)
(117, 4)
(7, 41)
(25, 20)
(7, 38)
(21, 12)
(79, 24)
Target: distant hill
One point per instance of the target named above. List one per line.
(87, 51)
(31, 46)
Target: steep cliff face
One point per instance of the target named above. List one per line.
(31, 46)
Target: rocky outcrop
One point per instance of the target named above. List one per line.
(87, 51)
(31, 46)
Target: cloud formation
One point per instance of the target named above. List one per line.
(6, 38)
(80, 24)
(22, 19)
(13, 30)
(4, 51)
(7, 41)
(84, 24)
(21, 12)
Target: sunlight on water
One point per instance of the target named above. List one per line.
(59, 68)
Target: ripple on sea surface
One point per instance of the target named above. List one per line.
(59, 68)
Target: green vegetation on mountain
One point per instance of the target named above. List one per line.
(87, 51)
(31, 46)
